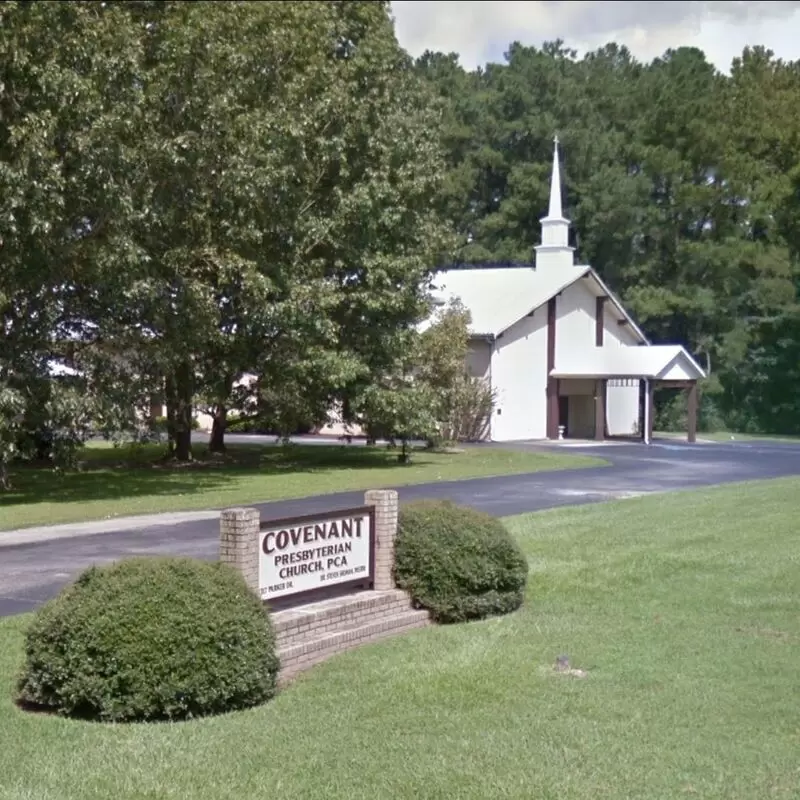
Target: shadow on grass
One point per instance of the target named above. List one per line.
(116, 473)
(91, 717)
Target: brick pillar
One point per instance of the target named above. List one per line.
(385, 503)
(238, 542)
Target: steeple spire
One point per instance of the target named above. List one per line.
(554, 211)
(554, 251)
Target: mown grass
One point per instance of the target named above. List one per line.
(727, 436)
(116, 482)
(684, 609)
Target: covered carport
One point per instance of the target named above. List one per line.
(643, 369)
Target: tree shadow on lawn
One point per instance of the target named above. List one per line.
(117, 473)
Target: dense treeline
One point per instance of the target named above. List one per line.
(683, 185)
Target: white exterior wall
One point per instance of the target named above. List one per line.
(575, 320)
(617, 335)
(519, 378)
(679, 370)
(622, 396)
(622, 407)
(576, 330)
(335, 427)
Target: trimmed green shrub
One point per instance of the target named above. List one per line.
(151, 639)
(458, 563)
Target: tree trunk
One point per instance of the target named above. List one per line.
(404, 457)
(216, 444)
(183, 445)
(170, 396)
(179, 411)
(5, 484)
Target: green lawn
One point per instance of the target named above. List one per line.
(726, 436)
(117, 482)
(684, 608)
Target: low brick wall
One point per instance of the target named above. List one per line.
(311, 632)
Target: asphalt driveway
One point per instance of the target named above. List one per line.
(31, 573)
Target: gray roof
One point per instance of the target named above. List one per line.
(497, 297)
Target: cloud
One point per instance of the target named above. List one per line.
(481, 31)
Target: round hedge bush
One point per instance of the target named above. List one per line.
(151, 639)
(458, 563)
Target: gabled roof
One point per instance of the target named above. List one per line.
(659, 362)
(497, 297)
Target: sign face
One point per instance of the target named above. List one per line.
(306, 553)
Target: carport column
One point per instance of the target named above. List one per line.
(238, 542)
(600, 409)
(691, 402)
(649, 408)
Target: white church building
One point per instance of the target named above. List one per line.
(563, 356)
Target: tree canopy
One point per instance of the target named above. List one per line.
(192, 192)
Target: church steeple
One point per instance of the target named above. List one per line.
(554, 249)
(554, 211)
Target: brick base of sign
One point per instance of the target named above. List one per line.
(310, 634)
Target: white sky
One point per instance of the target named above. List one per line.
(481, 30)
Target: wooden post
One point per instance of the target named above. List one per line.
(599, 409)
(651, 409)
(552, 383)
(642, 409)
(691, 432)
(599, 321)
(552, 408)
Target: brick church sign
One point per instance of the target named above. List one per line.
(311, 623)
(309, 553)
